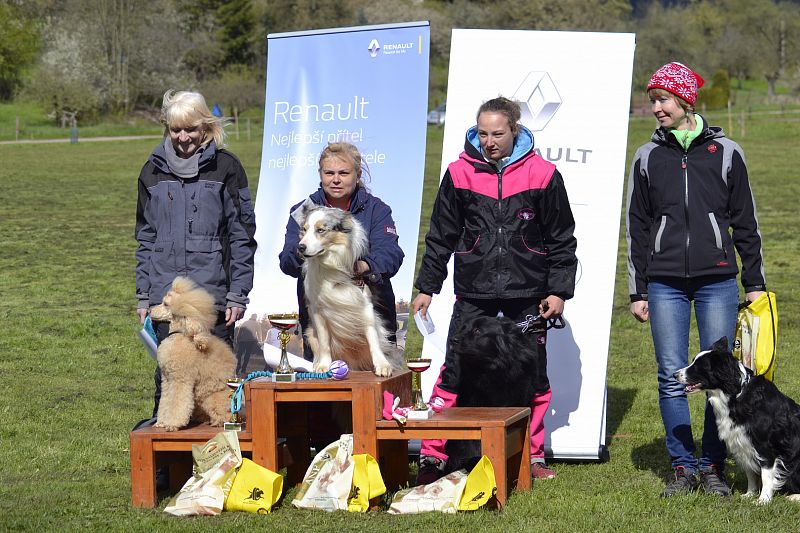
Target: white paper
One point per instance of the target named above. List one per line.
(148, 342)
(272, 356)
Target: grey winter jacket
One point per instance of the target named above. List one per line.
(201, 227)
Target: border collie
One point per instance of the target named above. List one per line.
(343, 321)
(759, 424)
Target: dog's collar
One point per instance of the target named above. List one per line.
(358, 281)
(745, 378)
(176, 332)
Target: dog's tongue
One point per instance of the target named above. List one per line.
(691, 387)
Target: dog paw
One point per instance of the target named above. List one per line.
(166, 426)
(763, 500)
(322, 366)
(383, 370)
(750, 494)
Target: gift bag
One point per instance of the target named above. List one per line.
(481, 486)
(215, 464)
(442, 495)
(757, 335)
(329, 478)
(255, 490)
(367, 483)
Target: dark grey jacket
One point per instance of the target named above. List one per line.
(201, 227)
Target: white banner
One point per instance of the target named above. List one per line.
(575, 94)
(364, 85)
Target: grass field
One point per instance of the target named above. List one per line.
(74, 379)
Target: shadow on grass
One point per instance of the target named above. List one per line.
(652, 456)
(619, 403)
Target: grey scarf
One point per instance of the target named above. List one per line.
(183, 168)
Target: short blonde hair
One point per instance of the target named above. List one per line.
(189, 109)
(348, 152)
(661, 93)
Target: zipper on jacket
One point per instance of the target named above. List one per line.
(499, 225)
(686, 207)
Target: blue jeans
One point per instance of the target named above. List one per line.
(670, 305)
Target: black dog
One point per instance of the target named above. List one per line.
(759, 424)
(497, 367)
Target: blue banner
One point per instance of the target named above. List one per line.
(363, 85)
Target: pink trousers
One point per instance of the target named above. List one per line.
(435, 447)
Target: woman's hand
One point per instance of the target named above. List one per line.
(361, 267)
(232, 314)
(421, 304)
(752, 296)
(142, 315)
(551, 307)
(640, 310)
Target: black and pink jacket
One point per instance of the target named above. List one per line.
(510, 228)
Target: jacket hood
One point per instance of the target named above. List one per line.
(523, 144)
(159, 156)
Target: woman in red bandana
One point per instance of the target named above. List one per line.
(690, 209)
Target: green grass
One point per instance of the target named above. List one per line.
(74, 379)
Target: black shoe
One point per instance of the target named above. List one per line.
(682, 481)
(713, 480)
(430, 470)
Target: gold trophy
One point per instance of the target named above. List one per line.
(236, 423)
(284, 323)
(419, 409)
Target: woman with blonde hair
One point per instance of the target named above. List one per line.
(690, 209)
(342, 185)
(194, 216)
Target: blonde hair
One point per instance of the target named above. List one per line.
(189, 109)
(661, 93)
(348, 152)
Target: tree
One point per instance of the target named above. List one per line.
(235, 19)
(19, 47)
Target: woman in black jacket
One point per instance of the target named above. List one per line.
(689, 206)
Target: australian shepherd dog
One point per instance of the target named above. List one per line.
(759, 424)
(497, 366)
(343, 320)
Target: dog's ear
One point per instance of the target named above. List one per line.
(192, 327)
(344, 222)
(303, 210)
(721, 345)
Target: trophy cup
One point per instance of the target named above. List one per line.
(236, 423)
(284, 322)
(419, 409)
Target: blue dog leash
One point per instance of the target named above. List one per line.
(238, 395)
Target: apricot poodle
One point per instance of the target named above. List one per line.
(195, 365)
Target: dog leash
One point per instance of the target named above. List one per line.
(550, 323)
(238, 396)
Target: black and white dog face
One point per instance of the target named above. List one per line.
(759, 424)
(714, 370)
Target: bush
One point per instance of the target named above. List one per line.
(717, 95)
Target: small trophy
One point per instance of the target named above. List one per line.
(419, 409)
(236, 423)
(284, 322)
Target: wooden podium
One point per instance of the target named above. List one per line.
(279, 410)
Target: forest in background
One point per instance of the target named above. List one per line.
(95, 59)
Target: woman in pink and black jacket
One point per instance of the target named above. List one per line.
(504, 212)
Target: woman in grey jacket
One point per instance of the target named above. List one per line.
(194, 216)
